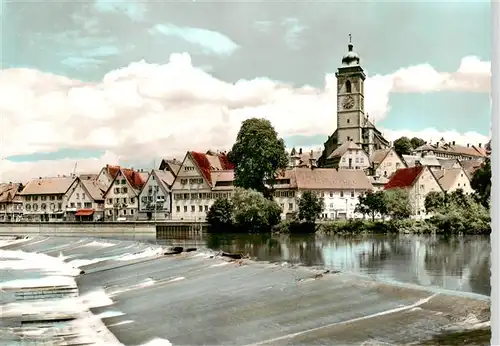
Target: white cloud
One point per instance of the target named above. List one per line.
(147, 110)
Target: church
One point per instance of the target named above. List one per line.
(354, 129)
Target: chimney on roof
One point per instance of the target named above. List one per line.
(453, 142)
(468, 145)
(300, 151)
(479, 145)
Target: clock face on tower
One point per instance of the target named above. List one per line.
(348, 102)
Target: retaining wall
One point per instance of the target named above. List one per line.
(129, 230)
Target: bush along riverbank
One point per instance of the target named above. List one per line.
(384, 212)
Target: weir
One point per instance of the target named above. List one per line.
(198, 298)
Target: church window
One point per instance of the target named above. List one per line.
(348, 121)
(348, 87)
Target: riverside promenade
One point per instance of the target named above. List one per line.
(144, 295)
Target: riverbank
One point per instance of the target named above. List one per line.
(407, 226)
(247, 303)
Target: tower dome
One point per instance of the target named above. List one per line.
(350, 58)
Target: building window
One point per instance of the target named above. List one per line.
(131, 211)
(348, 121)
(132, 200)
(185, 208)
(341, 193)
(43, 198)
(124, 181)
(348, 138)
(59, 206)
(178, 209)
(77, 196)
(83, 196)
(331, 194)
(193, 208)
(282, 206)
(52, 206)
(78, 205)
(200, 208)
(290, 206)
(331, 205)
(352, 193)
(348, 87)
(88, 205)
(206, 208)
(124, 189)
(72, 204)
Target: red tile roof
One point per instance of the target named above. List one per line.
(404, 177)
(134, 178)
(206, 167)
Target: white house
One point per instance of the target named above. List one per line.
(85, 201)
(454, 179)
(155, 200)
(349, 155)
(44, 199)
(418, 181)
(121, 197)
(201, 179)
(339, 189)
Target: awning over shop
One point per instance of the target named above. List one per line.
(84, 212)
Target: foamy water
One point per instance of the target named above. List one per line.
(57, 274)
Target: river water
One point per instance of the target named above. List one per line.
(452, 263)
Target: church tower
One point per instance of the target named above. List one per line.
(350, 99)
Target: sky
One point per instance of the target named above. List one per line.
(88, 83)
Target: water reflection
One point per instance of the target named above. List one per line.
(456, 263)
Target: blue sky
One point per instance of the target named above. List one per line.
(289, 42)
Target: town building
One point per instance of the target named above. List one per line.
(201, 179)
(353, 124)
(418, 181)
(349, 155)
(44, 199)
(121, 197)
(85, 201)
(454, 179)
(11, 204)
(155, 202)
(171, 165)
(451, 150)
(471, 166)
(384, 162)
(340, 189)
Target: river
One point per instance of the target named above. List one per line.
(452, 263)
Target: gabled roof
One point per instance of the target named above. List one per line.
(9, 191)
(135, 180)
(342, 149)
(48, 186)
(165, 178)
(471, 166)
(446, 177)
(94, 189)
(379, 155)
(443, 147)
(448, 163)
(404, 177)
(207, 163)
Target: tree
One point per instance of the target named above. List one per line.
(310, 207)
(398, 203)
(258, 155)
(481, 183)
(434, 201)
(372, 203)
(220, 213)
(416, 142)
(402, 146)
(253, 212)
